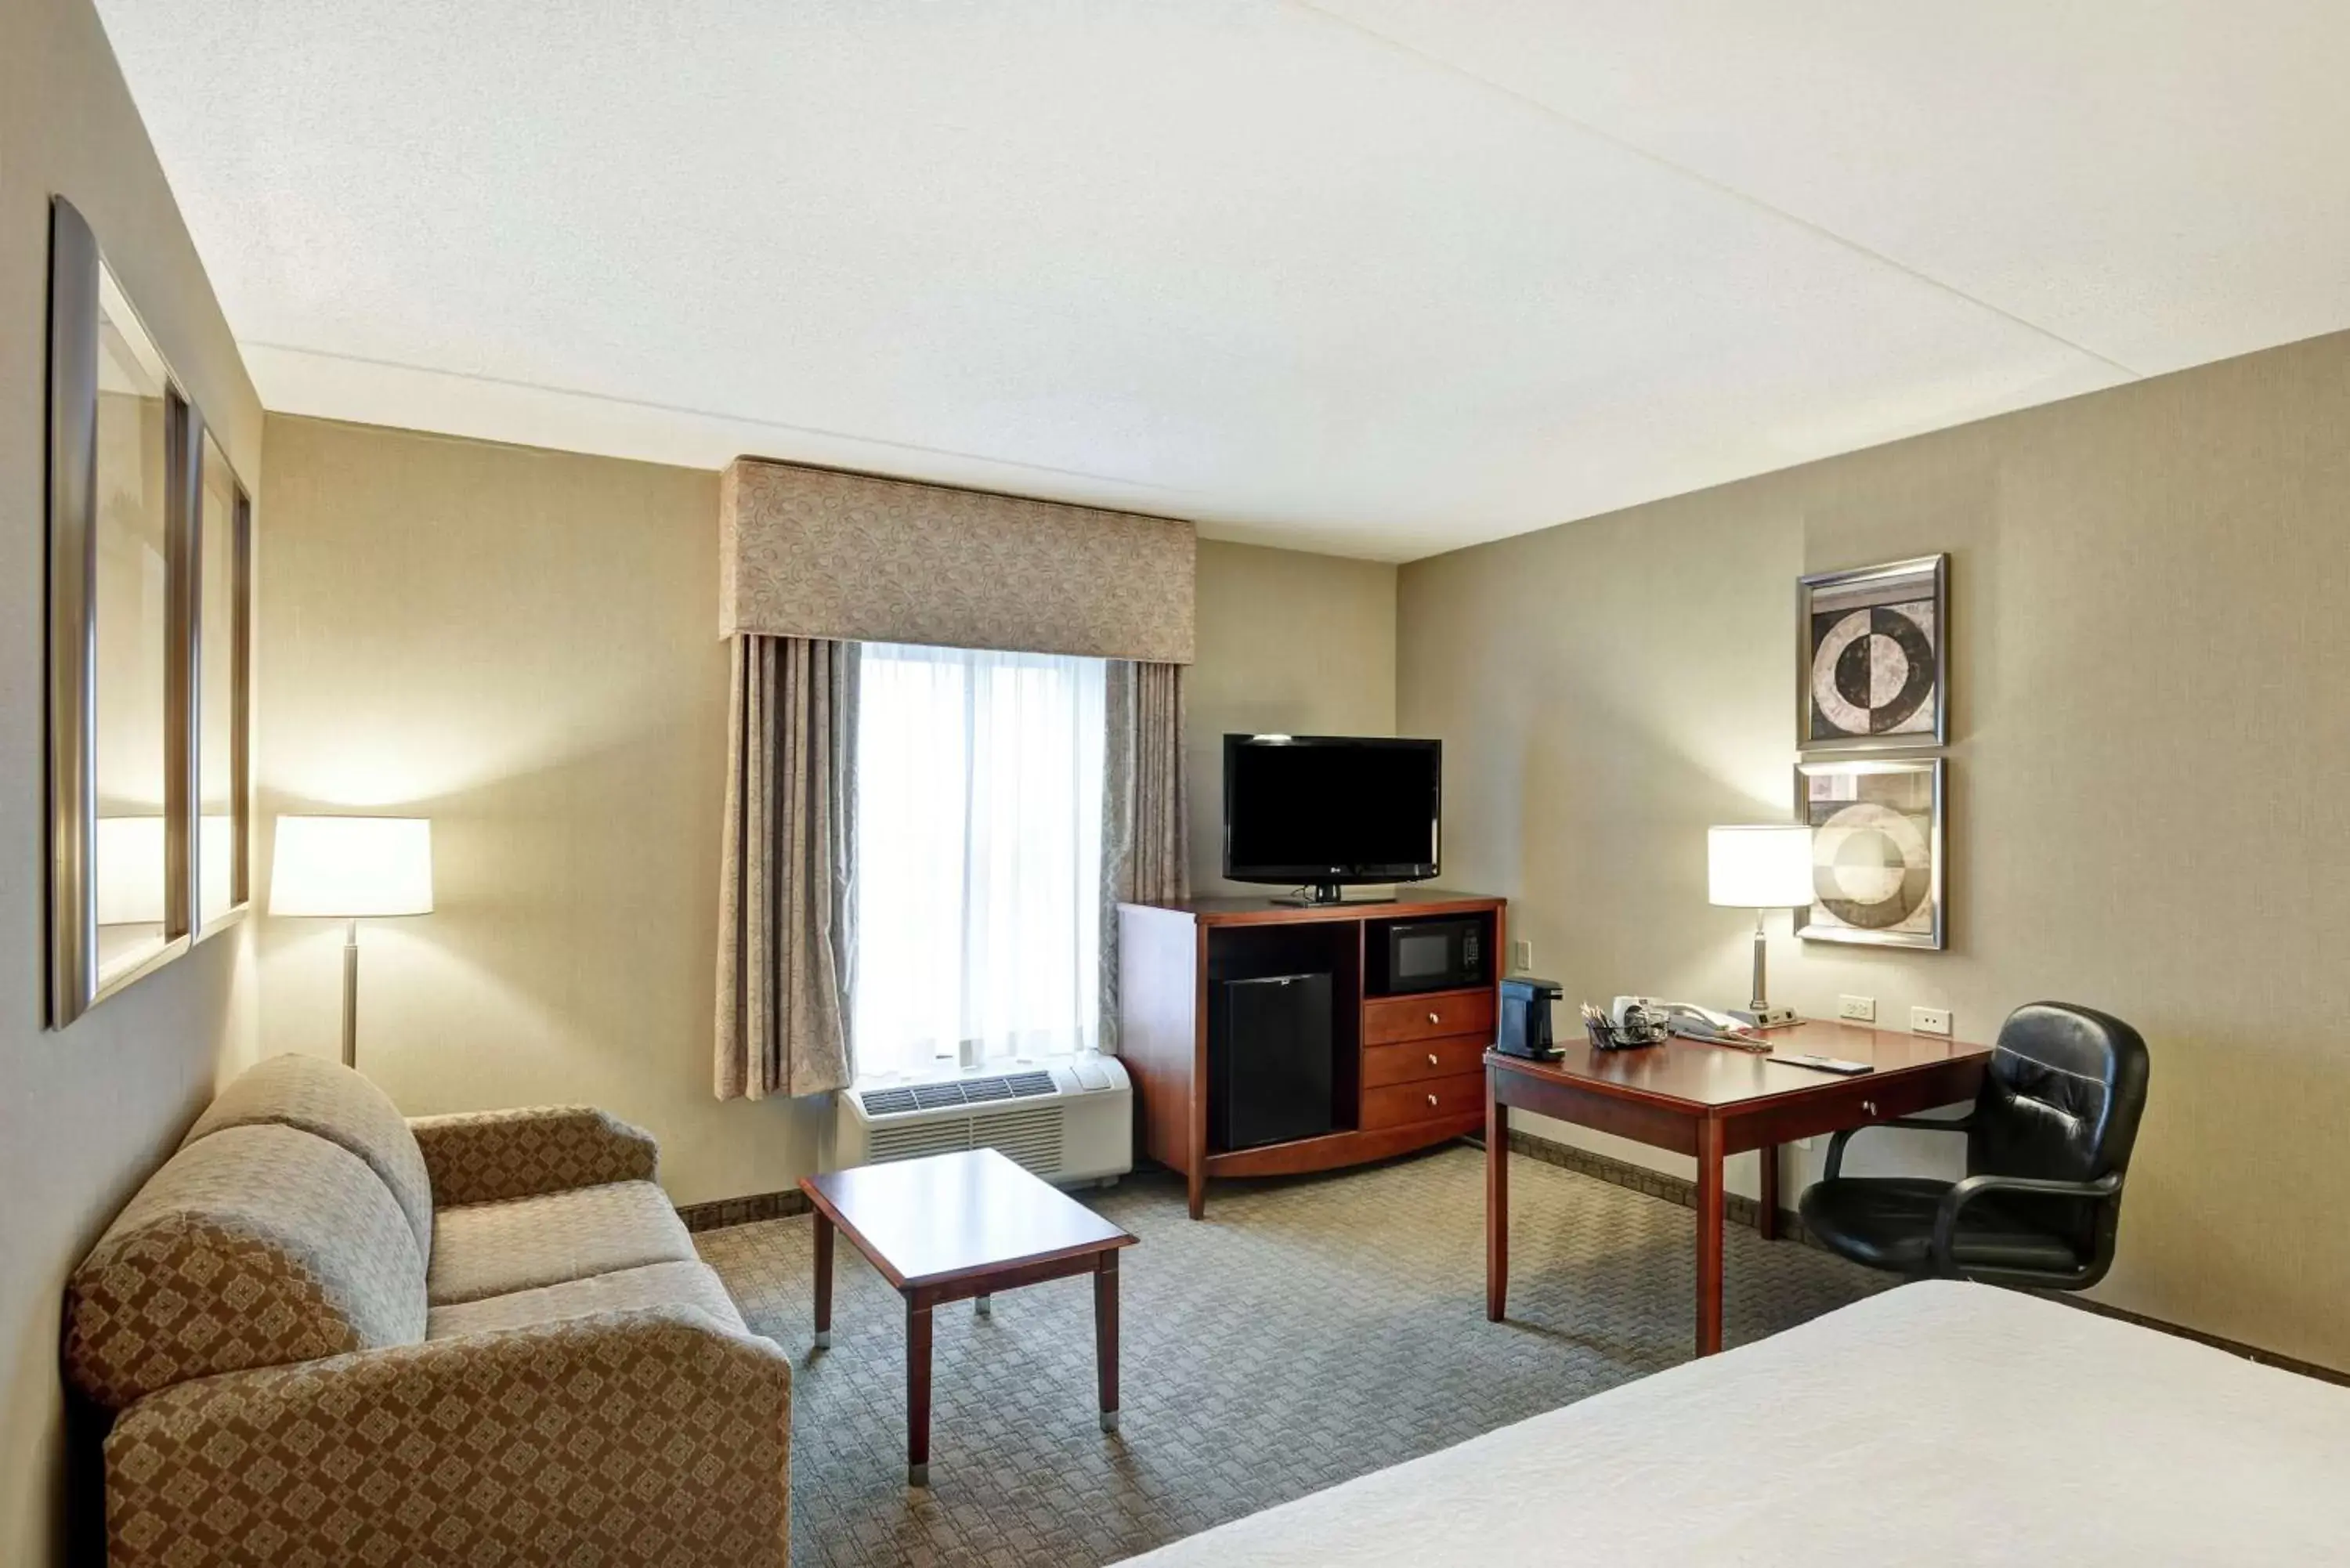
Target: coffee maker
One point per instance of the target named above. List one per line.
(1525, 1018)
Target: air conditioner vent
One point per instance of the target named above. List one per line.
(912, 1140)
(1031, 1139)
(954, 1093)
(1066, 1125)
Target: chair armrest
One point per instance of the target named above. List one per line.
(647, 1435)
(1922, 1124)
(1946, 1218)
(479, 1157)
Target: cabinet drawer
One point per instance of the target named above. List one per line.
(1408, 1061)
(1428, 1016)
(1428, 1100)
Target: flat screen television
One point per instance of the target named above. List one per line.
(1320, 812)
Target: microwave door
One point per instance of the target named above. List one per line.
(1423, 958)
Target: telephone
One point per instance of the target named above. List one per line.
(1677, 1017)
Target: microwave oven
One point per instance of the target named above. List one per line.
(1443, 953)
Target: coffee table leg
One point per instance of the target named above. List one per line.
(1106, 1336)
(918, 1392)
(823, 1282)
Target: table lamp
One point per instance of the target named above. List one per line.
(352, 868)
(1760, 868)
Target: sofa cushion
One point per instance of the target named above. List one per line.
(482, 1249)
(252, 1247)
(330, 1101)
(695, 1285)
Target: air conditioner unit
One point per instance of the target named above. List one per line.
(1067, 1121)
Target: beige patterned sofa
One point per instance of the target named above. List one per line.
(333, 1335)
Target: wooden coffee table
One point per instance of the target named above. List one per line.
(957, 1227)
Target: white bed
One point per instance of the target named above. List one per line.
(1938, 1423)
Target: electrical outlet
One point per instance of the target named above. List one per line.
(1522, 955)
(1857, 1009)
(1805, 1142)
(1930, 1020)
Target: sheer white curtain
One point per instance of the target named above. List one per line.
(978, 810)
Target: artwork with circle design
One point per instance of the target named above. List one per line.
(1874, 667)
(1877, 845)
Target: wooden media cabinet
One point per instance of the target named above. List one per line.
(1407, 1071)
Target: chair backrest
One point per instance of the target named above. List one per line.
(254, 1245)
(2063, 1097)
(328, 1100)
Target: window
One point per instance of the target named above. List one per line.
(978, 893)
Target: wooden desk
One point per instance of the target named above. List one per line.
(1711, 1102)
(958, 1227)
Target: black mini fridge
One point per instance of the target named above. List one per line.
(1269, 1060)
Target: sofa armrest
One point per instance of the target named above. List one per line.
(478, 1156)
(647, 1435)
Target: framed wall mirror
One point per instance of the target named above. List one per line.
(123, 505)
(222, 589)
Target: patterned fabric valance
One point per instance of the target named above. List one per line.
(808, 551)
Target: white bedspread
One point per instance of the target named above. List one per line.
(1938, 1423)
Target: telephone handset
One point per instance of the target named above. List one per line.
(1678, 1017)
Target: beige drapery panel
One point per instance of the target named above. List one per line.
(815, 553)
(1146, 824)
(786, 948)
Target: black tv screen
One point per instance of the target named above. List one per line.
(1331, 808)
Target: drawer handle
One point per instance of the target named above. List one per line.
(1433, 1018)
(1431, 1099)
(1431, 1059)
(1868, 1107)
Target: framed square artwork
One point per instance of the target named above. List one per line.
(1876, 852)
(1871, 666)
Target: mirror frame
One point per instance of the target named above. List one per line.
(74, 988)
(239, 676)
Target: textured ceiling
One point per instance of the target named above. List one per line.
(1375, 276)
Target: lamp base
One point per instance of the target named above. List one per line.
(1766, 1017)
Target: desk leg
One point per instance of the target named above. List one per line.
(1709, 1237)
(918, 1392)
(822, 1281)
(1497, 1203)
(1106, 1336)
(1766, 1218)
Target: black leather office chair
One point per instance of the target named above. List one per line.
(2047, 1144)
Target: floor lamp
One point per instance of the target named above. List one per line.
(351, 868)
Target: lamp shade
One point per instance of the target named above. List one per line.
(352, 866)
(1759, 868)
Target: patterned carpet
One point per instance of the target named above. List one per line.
(1308, 1331)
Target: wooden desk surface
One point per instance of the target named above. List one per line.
(953, 1216)
(1689, 1074)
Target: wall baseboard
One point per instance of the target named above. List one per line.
(1736, 1211)
(725, 1212)
(1740, 1211)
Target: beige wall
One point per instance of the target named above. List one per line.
(85, 1115)
(1289, 643)
(517, 644)
(2148, 813)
